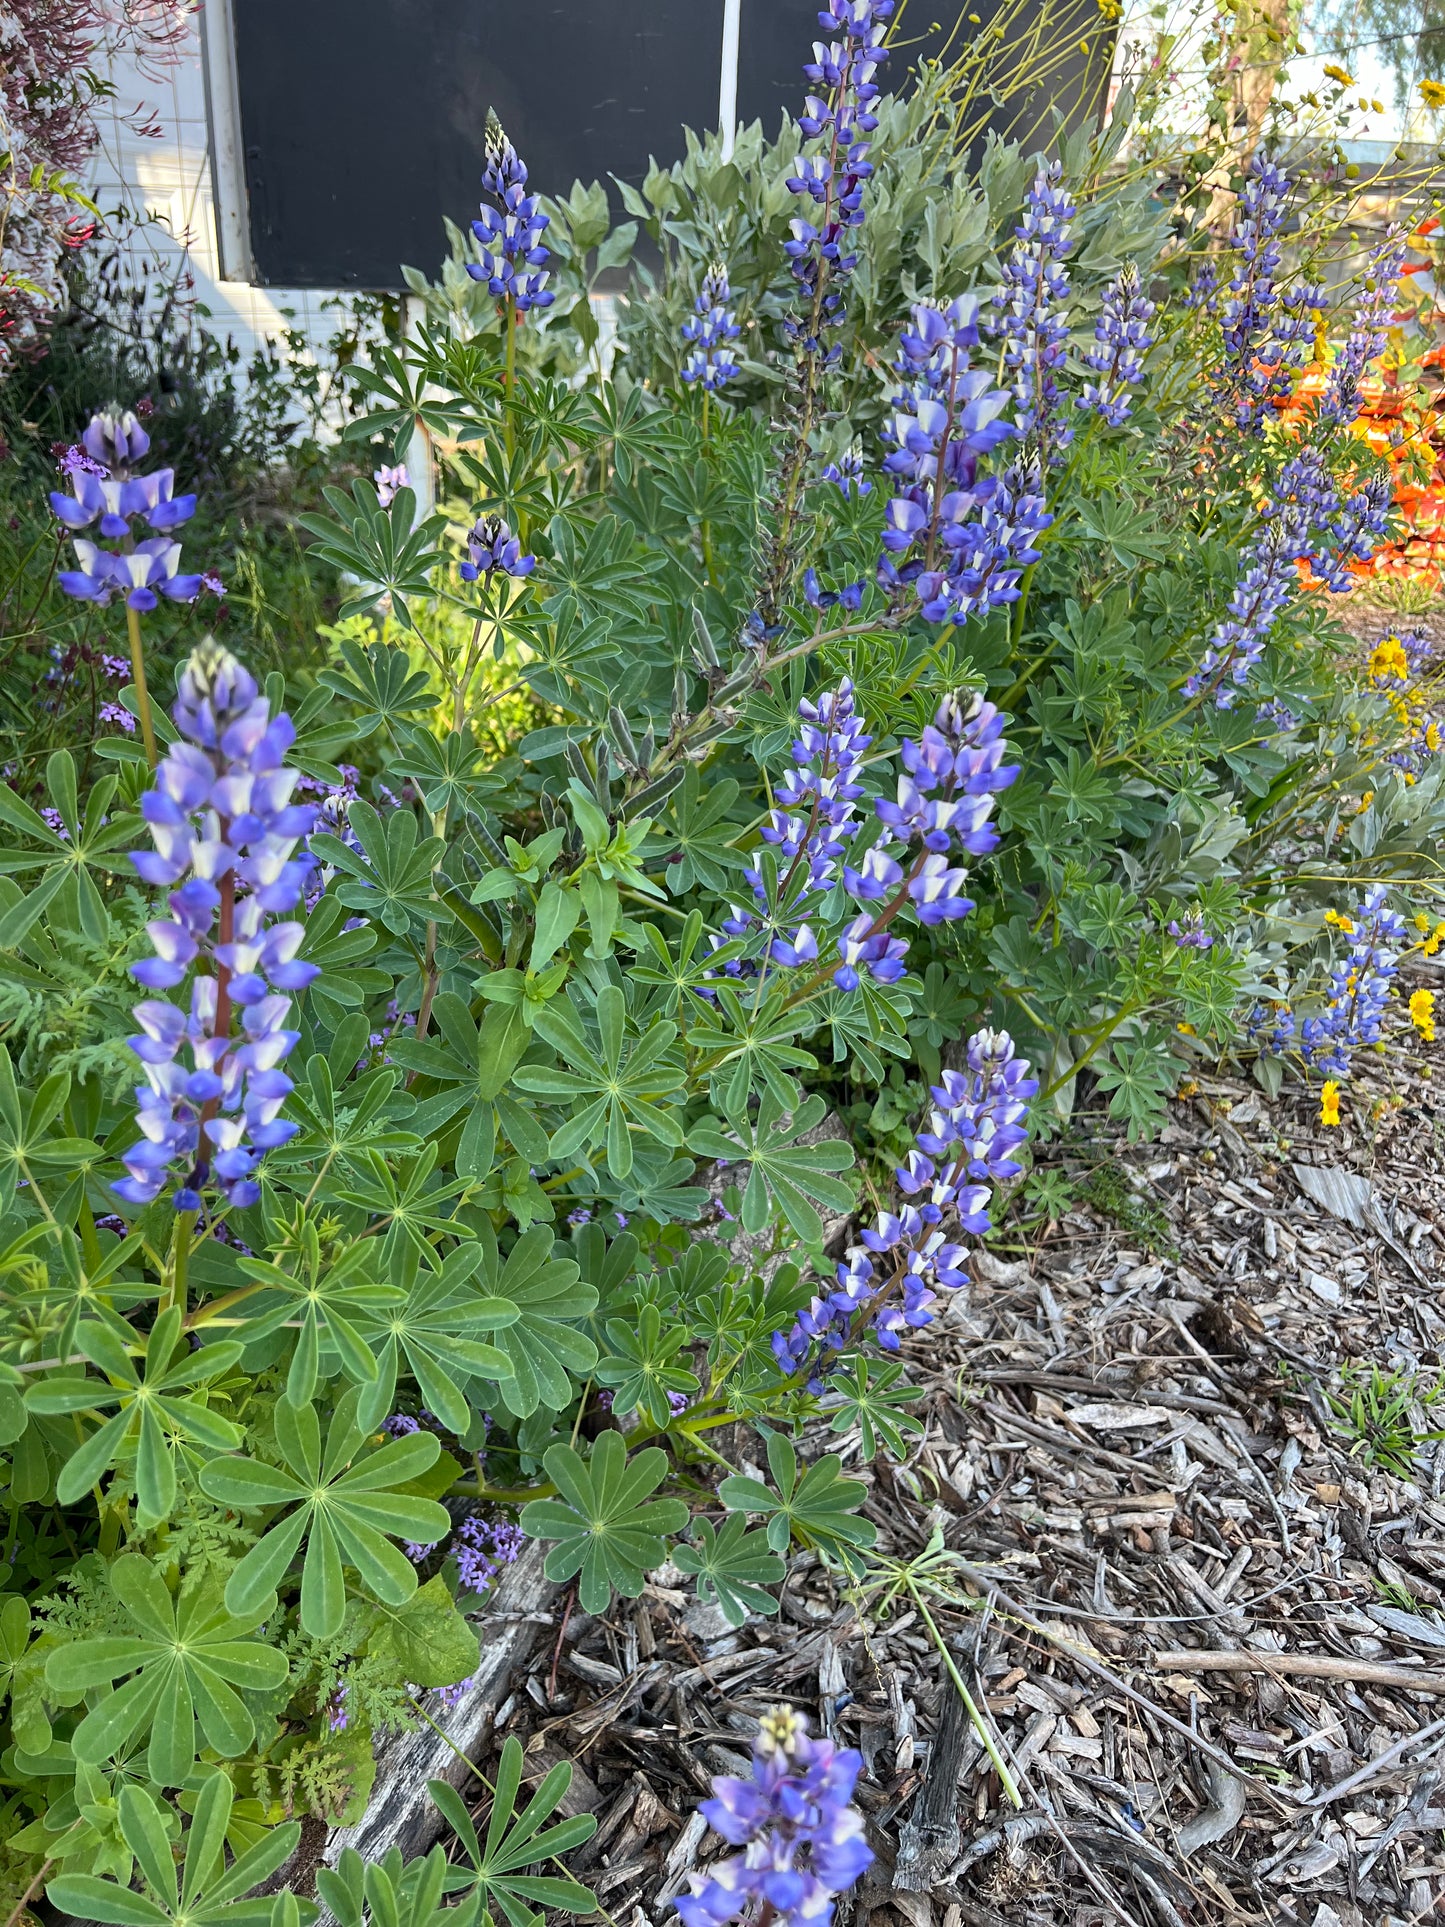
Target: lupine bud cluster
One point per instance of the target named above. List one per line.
(961, 539)
(493, 549)
(1266, 329)
(890, 1282)
(225, 833)
(847, 474)
(837, 118)
(1374, 306)
(1032, 313)
(712, 326)
(108, 486)
(509, 237)
(1360, 988)
(1121, 341)
(801, 1839)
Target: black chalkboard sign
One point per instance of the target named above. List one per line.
(362, 120)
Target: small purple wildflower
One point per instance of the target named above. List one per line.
(388, 481)
(710, 328)
(802, 1840)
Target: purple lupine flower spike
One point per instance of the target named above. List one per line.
(108, 490)
(1366, 339)
(1032, 311)
(977, 1124)
(801, 1838)
(388, 481)
(960, 538)
(1121, 341)
(224, 831)
(838, 116)
(493, 549)
(1266, 329)
(710, 328)
(509, 236)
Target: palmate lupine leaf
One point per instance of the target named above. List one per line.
(640, 1366)
(787, 1174)
(817, 1509)
(611, 1090)
(158, 1414)
(347, 1510)
(189, 1657)
(29, 1147)
(733, 1567)
(543, 1346)
(496, 1867)
(207, 1893)
(390, 877)
(381, 682)
(750, 1046)
(432, 1326)
(94, 839)
(870, 1401)
(604, 1531)
(390, 1893)
(377, 546)
(324, 1307)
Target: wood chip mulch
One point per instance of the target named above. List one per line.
(1203, 1630)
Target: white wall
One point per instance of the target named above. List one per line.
(168, 177)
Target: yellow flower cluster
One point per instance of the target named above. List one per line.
(1431, 92)
(1388, 661)
(1433, 938)
(1422, 1014)
(1340, 922)
(1330, 1102)
(1339, 75)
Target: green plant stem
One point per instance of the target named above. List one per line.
(980, 1725)
(142, 690)
(509, 380)
(180, 1258)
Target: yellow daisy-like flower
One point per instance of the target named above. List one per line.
(1389, 662)
(1365, 801)
(1339, 922)
(1432, 93)
(1433, 942)
(1422, 923)
(1330, 1103)
(1338, 74)
(1422, 1014)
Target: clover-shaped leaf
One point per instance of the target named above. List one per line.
(732, 1567)
(603, 1530)
(817, 1509)
(188, 1657)
(345, 1506)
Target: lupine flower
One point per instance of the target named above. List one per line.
(847, 474)
(837, 116)
(977, 1124)
(1032, 315)
(1266, 329)
(510, 237)
(1374, 305)
(1267, 582)
(712, 326)
(959, 538)
(492, 548)
(1359, 987)
(388, 481)
(1190, 934)
(1121, 341)
(1277, 717)
(108, 488)
(224, 830)
(802, 1841)
(1272, 1029)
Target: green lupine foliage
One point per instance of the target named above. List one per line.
(570, 1153)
